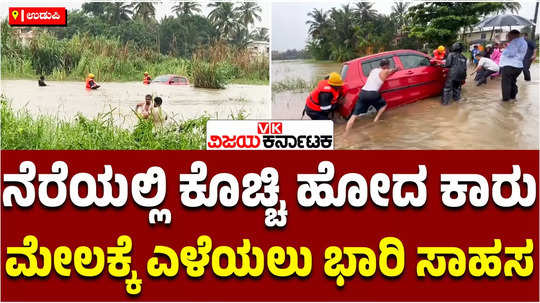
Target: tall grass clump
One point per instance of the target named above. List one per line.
(22, 131)
(219, 64)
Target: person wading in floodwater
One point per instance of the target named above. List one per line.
(369, 95)
(323, 99)
(90, 82)
(457, 73)
(144, 109)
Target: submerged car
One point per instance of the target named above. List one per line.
(418, 77)
(171, 80)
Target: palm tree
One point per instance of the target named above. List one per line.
(318, 23)
(119, 11)
(183, 9)
(260, 34)
(248, 12)
(513, 7)
(223, 17)
(145, 11)
(399, 13)
(365, 11)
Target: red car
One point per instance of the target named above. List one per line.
(419, 77)
(171, 80)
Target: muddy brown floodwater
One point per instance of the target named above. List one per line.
(480, 121)
(65, 99)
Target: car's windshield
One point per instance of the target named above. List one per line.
(162, 78)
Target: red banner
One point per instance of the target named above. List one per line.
(476, 242)
(37, 16)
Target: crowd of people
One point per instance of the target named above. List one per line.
(507, 60)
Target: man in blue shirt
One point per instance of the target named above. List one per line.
(529, 58)
(512, 64)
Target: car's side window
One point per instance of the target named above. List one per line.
(176, 80)
(371, 64)
(413, 61)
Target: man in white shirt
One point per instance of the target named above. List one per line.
(486, 67)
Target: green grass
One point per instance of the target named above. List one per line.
(22, 131)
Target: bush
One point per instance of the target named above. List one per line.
(22, 131)
(208, 75)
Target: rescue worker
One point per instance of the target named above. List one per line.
(323, 99)
(439, 53)
(147, 78)
(90, 83)
(457, 65)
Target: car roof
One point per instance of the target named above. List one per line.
(171, 75)
(386, 54)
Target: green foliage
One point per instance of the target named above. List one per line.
(438, 23)
(20, 130)
(110, 59)
(348, 32)
(209, 75)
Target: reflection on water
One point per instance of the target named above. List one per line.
(480, 121)
(65, 99)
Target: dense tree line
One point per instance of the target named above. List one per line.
(355, 30)
(291, 54)
(178, 34)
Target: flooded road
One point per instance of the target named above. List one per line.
(65, 99)
(480, 121)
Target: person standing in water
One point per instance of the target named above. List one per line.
(157, 114)
(144, 109)
(511, 64)
(41, 81)
(369, 95)
(457, 73)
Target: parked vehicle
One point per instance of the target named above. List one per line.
(171, 80)
(419, 77)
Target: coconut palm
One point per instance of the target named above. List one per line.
(318, 23)
(512, 7)
(248, 12)
(399, 14)
(183, 9)
(260, 34)
(119, 11)
(223, 17)
(365, 11)
(145, 11)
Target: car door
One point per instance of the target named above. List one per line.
(389, 90)
(422, 79)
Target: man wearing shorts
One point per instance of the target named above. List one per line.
(369, 95)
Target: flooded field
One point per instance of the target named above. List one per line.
(65, 99)
(480, 121)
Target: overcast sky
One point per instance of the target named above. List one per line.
(289, 29)
(163, 8)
